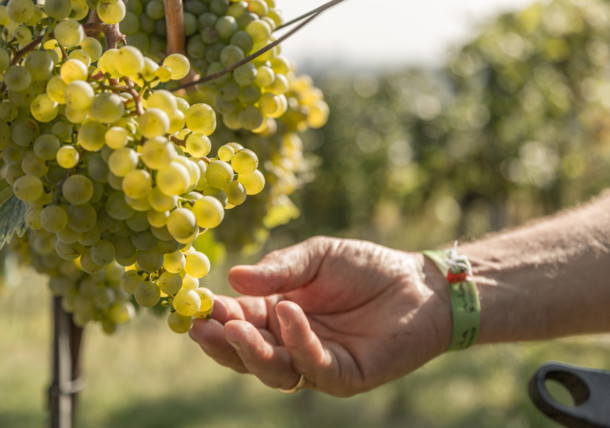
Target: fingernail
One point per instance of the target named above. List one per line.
(282, 317)
(235, 345)
(232, 340)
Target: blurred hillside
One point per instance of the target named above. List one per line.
(514, 126)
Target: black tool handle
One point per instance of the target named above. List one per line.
(589, 388)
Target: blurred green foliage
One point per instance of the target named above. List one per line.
(516, 125)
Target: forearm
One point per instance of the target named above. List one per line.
(546, 280)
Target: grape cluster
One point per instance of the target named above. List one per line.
(285, 167)
(115, 173)
(220, 34)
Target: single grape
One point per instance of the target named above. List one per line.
(179, 323)
(77, 189)
(91, 135)
(174, 179)
(78, 94)
(53, 218)
(17, 78)
(254, 183)
(208, 211)
(207, 302)
(197, 264)
(46, 146)
(44, 109)
(198, 145)
(102, 252)
(137, 183)
(187, 302)
(200, 118)
(174, 262)
(157, 152)
(236, 193)
(39, 64)
(147, 294)
(93, 47)
(56, 89)
(129, 61)
(244, 162)
(107, 107)
(28, 188)
(67, 157)
(182, 224)
(219, 174)
(69, 33)
(170, 283)
(72, 70)
(178, 64)
(111, 11)
(153, 123)
(122, 161)
(116, 137)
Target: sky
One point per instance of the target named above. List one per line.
(386, 33)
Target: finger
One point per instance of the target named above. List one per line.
(282, 270)
(271, 364)
(255, 310)
(309, 356)
(210, 336)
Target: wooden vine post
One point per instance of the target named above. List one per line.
(66, 382)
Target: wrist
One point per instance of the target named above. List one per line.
(437, 283)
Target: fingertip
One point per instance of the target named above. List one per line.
(203, 330)
(195, 331)
(236, 331)
(288, 312)
(242, 277)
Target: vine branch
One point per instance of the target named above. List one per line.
(310, 17)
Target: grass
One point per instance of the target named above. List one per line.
(146, 376)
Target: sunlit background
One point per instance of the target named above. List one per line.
(449, 119)
(363, 34)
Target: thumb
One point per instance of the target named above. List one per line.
(282, 270)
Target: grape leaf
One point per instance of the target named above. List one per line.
(12, 217)
(6, 191)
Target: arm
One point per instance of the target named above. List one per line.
(547, 279)
(351, 315)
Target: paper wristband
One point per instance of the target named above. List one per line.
(465, 304)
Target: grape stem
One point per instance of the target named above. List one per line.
(111, 32)
(310, 17)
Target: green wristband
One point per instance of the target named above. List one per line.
(464, 297)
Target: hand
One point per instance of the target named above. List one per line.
(348, 315)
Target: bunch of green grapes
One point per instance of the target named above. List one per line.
(113, 171)
(89, 297)
(219, 34)
(285, 168)
(268, 90)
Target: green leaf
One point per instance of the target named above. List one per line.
(6, 191)
(12, 218)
